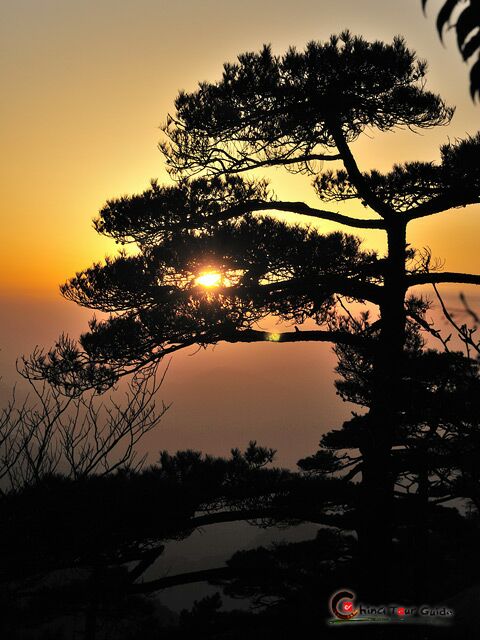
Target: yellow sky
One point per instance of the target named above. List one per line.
(85, 86)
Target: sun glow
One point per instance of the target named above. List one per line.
(209, 279)
(274, 337)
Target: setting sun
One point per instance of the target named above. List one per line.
(209, 279)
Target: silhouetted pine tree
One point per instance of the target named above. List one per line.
(298, 111)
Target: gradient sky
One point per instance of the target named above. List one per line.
(85, 85)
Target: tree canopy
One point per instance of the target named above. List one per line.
(290, 110)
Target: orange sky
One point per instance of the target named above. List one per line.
(85, 86)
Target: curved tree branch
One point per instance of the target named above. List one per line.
(356, 176)
(275, 162)
(303, 209)
(339, 284)
(299, 208)
(438, 278)
(251, 335)
(443, 203)
(219, 573)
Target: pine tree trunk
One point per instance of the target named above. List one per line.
(376, 509)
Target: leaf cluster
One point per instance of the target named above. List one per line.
(467, 31)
